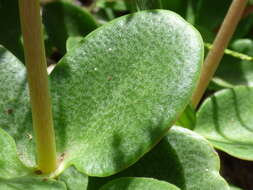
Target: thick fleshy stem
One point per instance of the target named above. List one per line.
(221, 41)
(35, 58)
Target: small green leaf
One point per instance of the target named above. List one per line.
(10, 165)
(234, 188)
(138, 184)
(73, 179)
(182, 158)
(72, 42)
(31, 183)
(63, 19)
(225, 119)
(188, 118)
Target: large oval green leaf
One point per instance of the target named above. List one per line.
(116, 94)
(63, 19)
(138, 184)
(182, 158)
(225, 119)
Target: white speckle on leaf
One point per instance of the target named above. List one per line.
(29, 136)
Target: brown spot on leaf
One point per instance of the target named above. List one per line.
(9, 111)
(62, 156)
(45, 179)
(38, 172)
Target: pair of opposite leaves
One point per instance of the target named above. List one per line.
(114, 96)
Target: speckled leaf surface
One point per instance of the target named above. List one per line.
(138, 184)
(63, 19)
(117, 93)
(15, 116)
(30, 183)
(73, 179)
(182, 158)
(225, 119)
(10, 165)
(233, 71)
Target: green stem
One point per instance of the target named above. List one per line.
(232, 53)
(31, 26)
(220, 43)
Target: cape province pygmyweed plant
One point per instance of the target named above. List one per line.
(121, 109)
